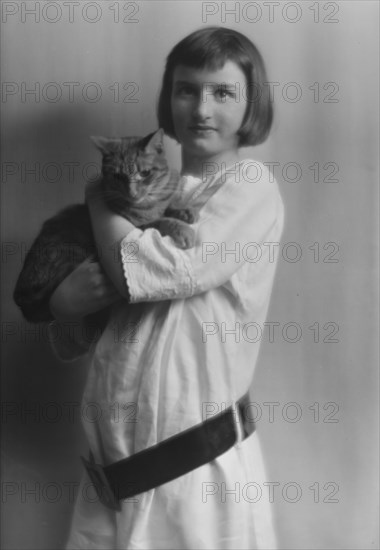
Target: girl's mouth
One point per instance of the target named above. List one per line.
(202, 129)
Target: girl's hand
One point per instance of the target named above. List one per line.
(87, 289)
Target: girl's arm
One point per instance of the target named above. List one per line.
(238, 223)
(109, 229)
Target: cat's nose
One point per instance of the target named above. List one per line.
(133, 190)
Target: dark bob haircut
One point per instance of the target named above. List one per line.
(210, 48)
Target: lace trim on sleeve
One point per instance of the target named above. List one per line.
(150, 263)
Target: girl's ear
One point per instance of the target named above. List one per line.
(105, 145)
(155, 143)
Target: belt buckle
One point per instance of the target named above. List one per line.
(104, 490)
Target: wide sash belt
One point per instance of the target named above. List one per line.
(170, 458)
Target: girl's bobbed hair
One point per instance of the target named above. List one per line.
(210, 48)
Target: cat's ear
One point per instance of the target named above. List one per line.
(155, 143)
(105, 145)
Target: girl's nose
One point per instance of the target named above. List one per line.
(203, 104)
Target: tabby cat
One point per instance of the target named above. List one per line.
(137, 184)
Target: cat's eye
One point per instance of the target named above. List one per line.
(145, 173)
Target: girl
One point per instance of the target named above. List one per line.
(184, 370)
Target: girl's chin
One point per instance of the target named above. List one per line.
(200, 146)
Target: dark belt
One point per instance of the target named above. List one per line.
(169, 459)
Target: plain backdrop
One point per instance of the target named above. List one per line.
(322, 59)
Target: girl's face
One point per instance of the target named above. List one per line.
(208, 108)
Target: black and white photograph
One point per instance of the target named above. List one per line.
(189, 267)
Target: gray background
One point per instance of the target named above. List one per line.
(43, 450)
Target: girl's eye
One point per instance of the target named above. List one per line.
(185, 90)
(222, 93)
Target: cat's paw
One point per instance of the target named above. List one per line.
(184, 238)
(186, 215)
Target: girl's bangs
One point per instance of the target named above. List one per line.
(209, 52)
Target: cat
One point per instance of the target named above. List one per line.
(137, 184)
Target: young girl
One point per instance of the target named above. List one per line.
(183, 367)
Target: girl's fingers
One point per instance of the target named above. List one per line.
(105, 291)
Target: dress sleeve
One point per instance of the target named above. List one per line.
(243, 212)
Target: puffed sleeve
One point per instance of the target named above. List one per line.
(247, 208)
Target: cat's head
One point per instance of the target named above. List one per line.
(135, 171)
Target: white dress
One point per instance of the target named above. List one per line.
(185, 349)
